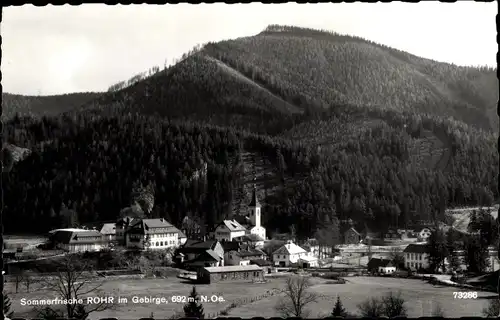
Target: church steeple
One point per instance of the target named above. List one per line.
(255, 201)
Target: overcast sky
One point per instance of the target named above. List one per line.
(61, 49)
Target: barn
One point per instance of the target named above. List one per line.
(228, 273)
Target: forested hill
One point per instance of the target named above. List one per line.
(36, 106)
(372, 134)
(283, 71)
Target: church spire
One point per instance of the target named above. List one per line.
(254, 202)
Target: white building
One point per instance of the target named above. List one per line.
(243, 257)
(151, 234)
(416, 256)
(76, 240)
(227, 230)
(288, 254)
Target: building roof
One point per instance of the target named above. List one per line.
(181, 234)
(230, 245)
(289, 248)
(308, 258)
(377, 262)
(417, 248)
(197, 246)
(261, 262)
(150, 226)
(250, 267)
(75, 237)
(232, 225)
(108, 228)
(254, 202)
(68, 230)
(248, 253)
(250, 238)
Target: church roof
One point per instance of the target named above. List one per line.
(254, 202)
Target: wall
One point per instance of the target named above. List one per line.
(164, 240)
(259, 230)
(240, 275)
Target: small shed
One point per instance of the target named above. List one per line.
(228, 273)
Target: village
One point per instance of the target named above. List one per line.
(241, 249)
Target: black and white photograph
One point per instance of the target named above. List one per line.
(250, 160)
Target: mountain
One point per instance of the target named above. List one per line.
(327, 126)
(42, 105)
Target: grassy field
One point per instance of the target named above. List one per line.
(420, 297)
(230, 292)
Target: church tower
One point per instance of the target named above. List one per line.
(254, 208)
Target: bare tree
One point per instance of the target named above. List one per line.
(74, 280)
(29, 278)
(371, 308)
(297, 297)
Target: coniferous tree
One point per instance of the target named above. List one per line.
(338, 309)
(193, 308)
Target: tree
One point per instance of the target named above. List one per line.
(397, 256)
(371, 308)
(492, 310)
(6, 306)
(437, 250)
(73, 280)
(391, 305)
(476, 254)
(327, 235)
(394, 305)
(297, 297)
(193, 308)
(452, 247)
(338, 309)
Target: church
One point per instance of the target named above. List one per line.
(229, 230)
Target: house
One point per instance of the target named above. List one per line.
(382, 266)
(308, 261)
(266, 265)
(76, 240)
(151, 234)
(194, 254)
(243, 257)
(416, 256)
(120, 226)
(227, 230)
(314, 249)
(251, 273)
(392, 235)
(182, 238)
(252, 240)
(288, 254)
(351, 236)
(423, 233)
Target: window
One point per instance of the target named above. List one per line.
(157, 244)
(161, 243)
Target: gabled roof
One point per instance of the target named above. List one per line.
(230, 245)
(148, 226)
(417, 248)
(261, 262)
(75, 237)
(108, 228)
(180, 235)
(232, 225)
(351, 229)
(198, 246)
(377, 262)
(289, 248)
(250, 238)
(251, 267)
(248, 253)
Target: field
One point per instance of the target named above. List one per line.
(420, 297)
(129, 288)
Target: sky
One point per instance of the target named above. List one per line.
(61, 49)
